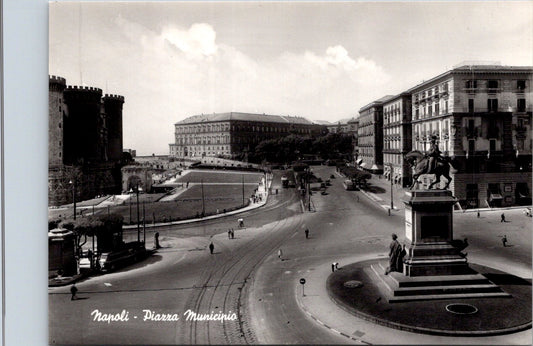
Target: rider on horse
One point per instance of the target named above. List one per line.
(434, 155)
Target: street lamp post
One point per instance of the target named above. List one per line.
(308, 189)
(138, 216)
(73, 195)
(391, 191)
(144, 225)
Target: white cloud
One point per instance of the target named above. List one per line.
(177, 72)
(196, 42)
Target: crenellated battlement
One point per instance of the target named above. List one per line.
(84, 89)
(57, 80)
(85, 94)
(56, 83)
(113, 97)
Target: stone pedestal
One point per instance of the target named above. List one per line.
(433, 267)
(429, 227)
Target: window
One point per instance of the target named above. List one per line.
(471, 145)
(521, 105)
(492, 84)
(436, 109)
(492, 145)
(521, 84)
(471, 84)
(492, 105)
(470, 105)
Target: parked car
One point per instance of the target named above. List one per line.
(85, 263)
(131, 253)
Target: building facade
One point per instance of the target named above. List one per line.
(233, 135)
(397, 139)
(481, 116)
(85, 142)
(370, 136)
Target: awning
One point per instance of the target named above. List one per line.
(359, 161)
(363, 164)
(521, 195)
(387, 174)
(374, 167)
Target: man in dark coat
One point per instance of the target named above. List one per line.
(73, 291)
(395, 256)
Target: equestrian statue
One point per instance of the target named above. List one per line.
(431, 163)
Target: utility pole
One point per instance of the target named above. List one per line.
(242, 176)
(308, 189)
(203, 202)
(391, 191)
(144, 225)
(73, 182)
(138, 217)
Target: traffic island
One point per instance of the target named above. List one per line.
(475, 316)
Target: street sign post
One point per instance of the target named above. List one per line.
(302, 281)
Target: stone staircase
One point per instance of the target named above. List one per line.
(401, 288)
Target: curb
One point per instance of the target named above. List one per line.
(301, 305)
(216, 216)
(423, 330)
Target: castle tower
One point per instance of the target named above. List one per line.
(85, 131)
(112, 108)
(57, 113)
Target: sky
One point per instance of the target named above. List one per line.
(319, 60)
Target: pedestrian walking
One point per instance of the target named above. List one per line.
(478, 214)
(232, 234)
(280, 254)
(306, 233)
(73, 291)
(156, 240)
(503, 218)
(504, 241)
(229, 233)
(211, 247)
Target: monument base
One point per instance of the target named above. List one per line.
(429, 227)
(435, 259)
(401, 288)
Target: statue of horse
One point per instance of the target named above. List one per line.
(419, 162)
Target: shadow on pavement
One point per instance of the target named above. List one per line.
(506, 279)
(374, 189)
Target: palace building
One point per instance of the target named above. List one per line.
(397, 138)
(233, 135)
(370, 136)
(481, 116)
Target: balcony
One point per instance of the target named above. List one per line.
(493, 90)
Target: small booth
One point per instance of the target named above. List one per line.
(61, 252)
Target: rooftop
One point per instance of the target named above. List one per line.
(245, 117)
